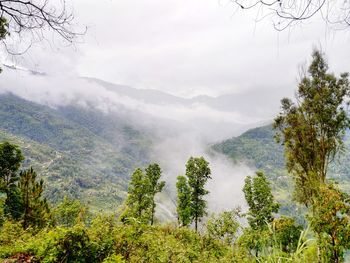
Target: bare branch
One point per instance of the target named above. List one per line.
(35, 17)
(288, 12)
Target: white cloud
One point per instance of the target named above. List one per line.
(61, 91)
(188, 48)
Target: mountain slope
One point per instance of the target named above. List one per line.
(236, 102)
(80, 152)
(257, 148)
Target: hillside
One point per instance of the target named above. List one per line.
(80, 152)
(257, 148)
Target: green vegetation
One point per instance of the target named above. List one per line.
(329, 218)
(224, 226)
(10, 159)
(67, 232)
(314, 139)
(35, 208)
(107, 241)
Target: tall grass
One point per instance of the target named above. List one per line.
(306, 250)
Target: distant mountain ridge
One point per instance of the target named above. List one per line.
(226, 103)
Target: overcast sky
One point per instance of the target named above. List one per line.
(188, 47)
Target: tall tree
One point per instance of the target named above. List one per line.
(10, 161)
(312, 129)
(153, 174)
(198, 173)
(257, 192)
(183, 201)
(35, 207)
(138, 201)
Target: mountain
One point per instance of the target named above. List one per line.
(78, 151)
(246, 103)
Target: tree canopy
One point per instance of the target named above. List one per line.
(312, 128)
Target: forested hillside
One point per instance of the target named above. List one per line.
(80, 152)
(258, 148)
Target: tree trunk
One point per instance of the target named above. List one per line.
(152, 214)
(196, 224)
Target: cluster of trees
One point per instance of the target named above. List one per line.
(191, 205)
(23, 192)
(140, 203)
(225, 226)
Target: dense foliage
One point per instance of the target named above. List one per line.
(143, 187)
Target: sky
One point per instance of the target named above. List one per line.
(188, 48)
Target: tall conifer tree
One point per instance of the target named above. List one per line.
(35, 207)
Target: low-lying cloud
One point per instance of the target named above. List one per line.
(181, 130)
